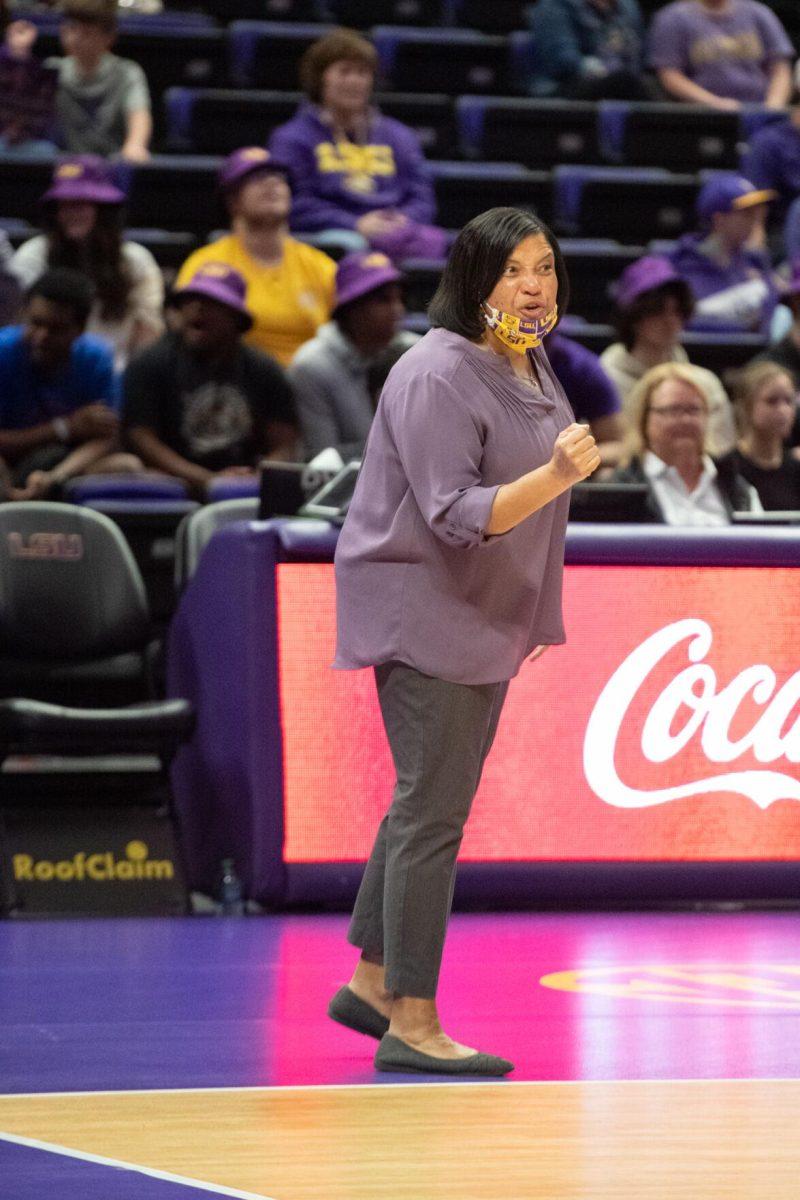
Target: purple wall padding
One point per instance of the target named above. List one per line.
(222, 653)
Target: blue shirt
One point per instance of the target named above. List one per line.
(29, 396)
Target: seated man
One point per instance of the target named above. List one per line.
(102, 101)
(338, 374)
(198, 402)
(773, 159)
(57, 389)
(732, 281)
(289, 284)
(588, 50)
(723, 53)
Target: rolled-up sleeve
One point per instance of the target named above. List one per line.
(440, 445)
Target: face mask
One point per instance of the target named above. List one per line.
(518, 335)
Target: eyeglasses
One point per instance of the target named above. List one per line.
(679, 410)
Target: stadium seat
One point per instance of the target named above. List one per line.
(267, 53)
(149, 526)
(85, 489)
(628, 204)
(431, 115)
(520, 62)
(721, 352)
(170, 249)
(74, 621)
(444, 60)
(23, 181)
(465, 189)
(218, 120)
(593, 265)
(538, 133)
(197, 529)
(76, 663)
(175, 192)
(421, 279)
(502, 16)
(680, 137)
(593, 337)
(787, 11)
(233, 487)
(245, 10)
(363, 14)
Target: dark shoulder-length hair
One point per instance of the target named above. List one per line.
(476, 262)
(100, 257)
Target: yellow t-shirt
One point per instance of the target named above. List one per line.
(288, 302)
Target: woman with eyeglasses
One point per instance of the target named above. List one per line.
(667, 448)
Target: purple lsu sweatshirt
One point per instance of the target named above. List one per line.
(336, 183)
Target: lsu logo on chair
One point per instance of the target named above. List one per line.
(63, 547)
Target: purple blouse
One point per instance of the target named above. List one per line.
(418, 579)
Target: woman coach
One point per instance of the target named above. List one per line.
(448, 573)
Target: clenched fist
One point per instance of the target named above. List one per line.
(575, 454)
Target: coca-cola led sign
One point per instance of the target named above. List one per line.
(668, 727)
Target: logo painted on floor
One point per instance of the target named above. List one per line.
(741, 985)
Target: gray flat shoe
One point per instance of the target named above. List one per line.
(349, 1009)
(396, 1055)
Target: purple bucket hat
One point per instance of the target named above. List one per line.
(727, 193)
(247, 161)
(84, 177)
(645, 275)
(361, 273)
(219, 282)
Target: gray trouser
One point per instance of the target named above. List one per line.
(439, 734)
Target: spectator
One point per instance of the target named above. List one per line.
(666, 448)
(289, 284)
(200, 403)
(83, 218)
(27, 95)
(591, 392)
(772, 160)
(724, 53)
(351, 167)
(786, 353)
(766, 406)
(57, 390)
(337, 376)
(731, 277)
(653, 306)
(588, 50)
(102, 101)
(10, 294)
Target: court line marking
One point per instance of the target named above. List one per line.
(363, 1087)
(118, 1163)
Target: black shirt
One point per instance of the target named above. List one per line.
(778, 487)
(216, 415)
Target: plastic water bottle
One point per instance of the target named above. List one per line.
(231, 895)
